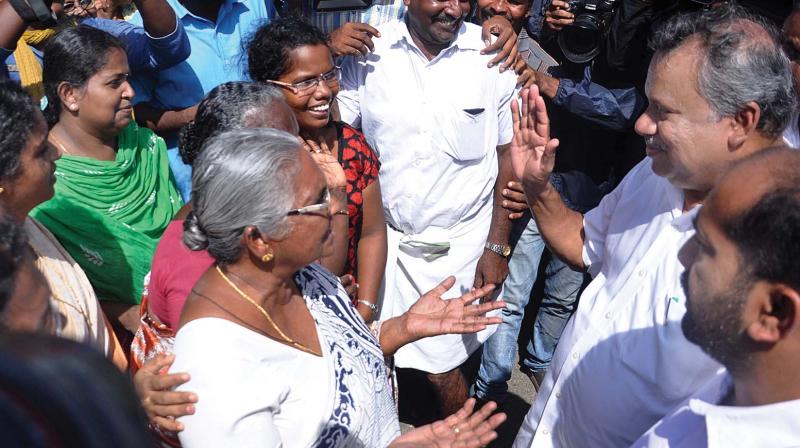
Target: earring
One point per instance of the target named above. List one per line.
(2, 190)
(72, 107)
(267, 257)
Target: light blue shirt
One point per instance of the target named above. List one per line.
(217, 57)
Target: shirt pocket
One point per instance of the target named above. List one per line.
(464, 131)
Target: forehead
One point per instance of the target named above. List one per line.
(672, 76)
(116, 62)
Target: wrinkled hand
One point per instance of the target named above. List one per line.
(331, 168)
(558, 16)
(506, 41)
(464, 429)
(515, 201)
(526, 76)
(533, 152)
(492, 269)
(353, 39)
(431, 315)
(154, 388)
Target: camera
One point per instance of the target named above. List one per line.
(580, 41)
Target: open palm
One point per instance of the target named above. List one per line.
(533, 152)
(431, 315)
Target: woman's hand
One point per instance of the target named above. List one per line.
(464, 429)
(154, 387)
(506, 43)
(431, 315)
(331, 168)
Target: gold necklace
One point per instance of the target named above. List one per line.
(57, 141)
(283, 335)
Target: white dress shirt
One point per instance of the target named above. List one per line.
(701, 422)
(436, 126)
(622, 362)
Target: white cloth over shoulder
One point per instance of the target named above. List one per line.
(701, 422)
(256, 392)
(436, 126)
(622, 362)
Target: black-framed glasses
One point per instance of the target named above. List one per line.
(330, 78)
(323, 206)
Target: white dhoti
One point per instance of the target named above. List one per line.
(415, 264)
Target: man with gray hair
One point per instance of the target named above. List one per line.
(720, 89)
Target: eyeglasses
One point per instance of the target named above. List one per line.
(325, 205)
(308, 86)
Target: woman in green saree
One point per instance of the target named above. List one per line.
(114, 194)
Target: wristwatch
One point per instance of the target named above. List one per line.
(504, 250)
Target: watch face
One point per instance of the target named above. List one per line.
(506, 251)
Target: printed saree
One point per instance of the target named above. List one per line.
(109, 215)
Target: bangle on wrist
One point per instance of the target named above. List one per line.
(342, 212)
(370, 305)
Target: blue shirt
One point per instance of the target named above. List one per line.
(216, 55)
(145, 53)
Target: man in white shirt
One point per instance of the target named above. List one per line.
(440, 123)
(743, 308)
(719, 89)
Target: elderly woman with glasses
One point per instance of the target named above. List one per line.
(292, 54)
(277, 354)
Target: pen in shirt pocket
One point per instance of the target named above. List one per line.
(670, 300)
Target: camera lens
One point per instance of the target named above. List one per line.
(580, 41)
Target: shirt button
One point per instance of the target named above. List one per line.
(575, 355)
(558, 394)
(608, 315)
(545, 432)
(408, 195)
(641, 273)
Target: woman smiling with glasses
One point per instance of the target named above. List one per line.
(292, 54)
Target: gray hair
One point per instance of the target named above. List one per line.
(742, 61)
(241, 178)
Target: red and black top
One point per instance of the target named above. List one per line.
(361, 166)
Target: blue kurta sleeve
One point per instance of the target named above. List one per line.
(146, 52)
(615, 109)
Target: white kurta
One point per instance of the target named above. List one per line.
(256, 392)
(701, 422)
(435, 126)
(622, 362)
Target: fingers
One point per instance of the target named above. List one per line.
(526, 78)
(515, 215)
(516, 200)
(168, 424)
(365, 28)
(169, 381)
(443, 287)
(476, 294)
(156, 365)
(516, 187)
(542, 121)
(507, 44)
(515, 118)
(166, 399)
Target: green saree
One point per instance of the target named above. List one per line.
(109, 215)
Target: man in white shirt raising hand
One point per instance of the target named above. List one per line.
(720, 89)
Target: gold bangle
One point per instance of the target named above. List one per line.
(342, 212)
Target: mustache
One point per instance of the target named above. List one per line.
(444, 17)
(489, 14)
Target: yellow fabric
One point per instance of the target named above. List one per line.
(30, 69)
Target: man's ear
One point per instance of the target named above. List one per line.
(744, 123)
(776, 313)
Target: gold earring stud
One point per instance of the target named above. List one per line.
(267, 258)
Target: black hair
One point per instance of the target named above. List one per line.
(17, 117)
(768, 237)
(57, 392)
(268, 50)
(13, 247)
(73, 56)
(225, 108)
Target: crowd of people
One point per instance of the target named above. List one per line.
(258, 223)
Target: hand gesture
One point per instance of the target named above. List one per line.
(533, 152)
(431, 315)
(331, 168)
(353, 39)
(464, 429)
(500, 27)
(154, 387)
(557, 16)
(514, 200)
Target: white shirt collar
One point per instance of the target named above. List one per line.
(461, 42)
(735, 425)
